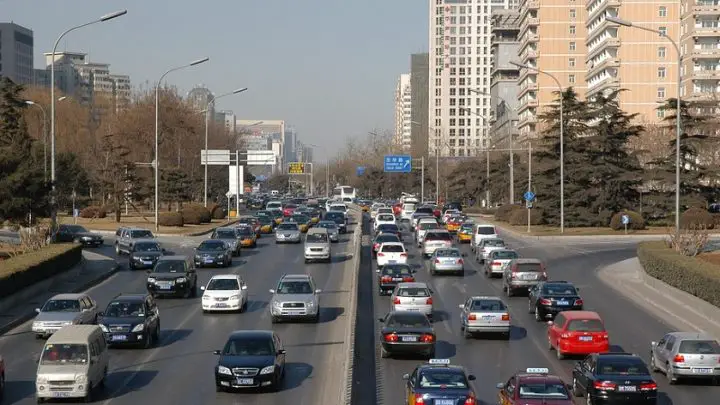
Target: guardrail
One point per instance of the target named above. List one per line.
(352, 320)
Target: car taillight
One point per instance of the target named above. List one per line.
(496, 264)
(648, 386)
(579, 302)
(545, 301)
(426, 338)
(505, 317)
(376, 246)
(679, 358)
(386, 279)
(428, 301)
(460, 261)
(437, 261)
(605, 385)
(419, 399)
(391, 337)
(605, 336)
(565, 336)
(472, 317)
(381, 254)
(396, 301)
(408, 279)
(470, 401)
(544, 276)
(403, 255)
(513, 275)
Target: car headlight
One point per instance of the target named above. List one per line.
(205, 297)
(309, 304)
(139, 327)
(224, 370)
(267, 370)
(181, 280)
(151, 280)
(276, 304)
(41, 379)
(234, 297)
(103, 328)
(86, 238)
(38, 324)
(220, 256)
(197, 257)
(80, 378)
(137, 258)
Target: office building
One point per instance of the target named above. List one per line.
(403, 117)
(503, 80)
(291, 140)
(16, 53)
(264, 135)
(700, 45)
(200, 97)
(419, 83)
(227, 119)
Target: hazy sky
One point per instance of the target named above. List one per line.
(326, 67)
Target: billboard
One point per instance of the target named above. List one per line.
(215, 157)
(296, 168)
(261, 158)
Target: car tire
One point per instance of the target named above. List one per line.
(147, 343)
(510, 292)
(316, 318)
(40, 400)
(156, 335)
(88, 397)
(575, 389)
(384, 353)
(672, 380)
(653, 367)
(505, 335)
(466, 333)
(274, 319)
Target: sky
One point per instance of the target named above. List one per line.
(328, 68)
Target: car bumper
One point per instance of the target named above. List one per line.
(428, 251)
(240, 382)
(288, 239)
(406, 348)
(92, 243)
(695, 372)
(449, 268)
(46, 330)
(294, 313)
(497, 269)
(124, 338)
(464, 238)
(75, 390)
(142, 264)
(266, 229)
(501, 328)
(575, 349)
(550, 312)
(423, 309)
(618, 399)
(334, 237)
(247, 243)
(518, 285)
(317, 255)
(177, 289)
(209, 263)
(384, 287)
(381, 263)
(211, 305)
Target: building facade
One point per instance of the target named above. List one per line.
(700, 47)
(200, 97)
(264, 135)
(16, 53)
(291, 141)
(227, 119)
(504, 75)
(419, 83)
(403, 114)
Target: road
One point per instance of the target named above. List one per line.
(180, 369)
(492, 360)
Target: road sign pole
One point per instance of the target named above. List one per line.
(422, 179)
(240, 183)
(529, 179)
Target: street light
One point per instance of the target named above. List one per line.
(106, 17)
(157, 135)
(207, 118)
(678, 114)
(487, 158)
(562, 140)
(437, 164)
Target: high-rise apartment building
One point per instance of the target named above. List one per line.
(200, 97)
(700, 47)
(403, 113)
(227, 119)
(419, 84)
(504, 75)
(16, 53)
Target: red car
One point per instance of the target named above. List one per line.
(397, 209)
(577, 332)
(535, 386)
(289, 209)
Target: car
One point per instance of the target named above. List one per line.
(288, 232)
(267, 224)
(610, 378)
(389, 228)
(374, 209)
(273, 205)
(407, 209)
(289, 209)
(389, 276)
(250, 359)
(453, 223)
(482, 231)
(332, 229)
(303, 221)
(391, 253)
(213, 252)
(548, 298)
(449, 213)
(534, 386)
(381, 219)
(230, 236)
(126, 237)
(423, 228)
(447, 260)
(439, 383)
(416, 297)
(522, 274)
(577, 332)
(405, 332)
(339, 207)
(495, 264)
(487, 245)
(464, 234)
(482, 314)
(224, 292)
(317, 246)
(382, 238)
(338, 218)
(173, 276)
(417, 216)
(277, 216)
(686, 355)
(247, 236)
(131, 319)
(433, 240)
(385, 210)
(67, 233)
(295, 297)
(63, 310)
(252, 222)
(144, 254)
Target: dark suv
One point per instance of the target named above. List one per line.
(131, 319)
(173, 276)
(338, 217)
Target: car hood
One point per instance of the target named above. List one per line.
(316, 245)
(246, 361)
(57, 316)
(166, 276)
(220, 293)
(293, 297)
(401, 329)
(126, 320)
(88, 235)
(153, 255)
(58, 372)
(287, 232)
(210, 252)
(230, 241)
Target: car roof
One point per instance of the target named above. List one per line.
(692, 335)
(393, 244)
(130, 297)
(486, 297)
(569, 315)
(537, 377)
(173, 258)
(68, 296)
(225, 277)
(238, 334)
(137, 228)
(528, 261)
(414, 284)
(300, 277)
(147, 240)
(485, 226)
(73, 334)
(317, 230)
(618, 355)
(225, 228)
(324, 222)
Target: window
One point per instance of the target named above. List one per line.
(571, 62)
(571, 78)
(573, 13)
(661, 92)
(661, 73)
(663, 31)
(660, 113)
(661, 52)
(572, 30)
(572, 45)
(662, 11)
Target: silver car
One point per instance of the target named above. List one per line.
(447, 261)
(484, 315)
(288, 232)
(63, 310)
(414, 297)
(522, 274)
(423, 228)
(295, 298)
(486, 246)
(497, 260)
(690, 355)
(439, 239)
(230, 236)
(332, 228)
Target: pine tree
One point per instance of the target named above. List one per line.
(118, 177)
(174, 186)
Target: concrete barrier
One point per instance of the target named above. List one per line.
(352, 307)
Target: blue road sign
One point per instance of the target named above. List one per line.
(529, 196)
(261, 177)
(360, 170)
(625, 219)
(398, 163)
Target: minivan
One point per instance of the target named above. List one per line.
(317, 245)
(72, 364)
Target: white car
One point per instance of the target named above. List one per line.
(415, 297)
(225, 292)
(407, 210)
(375, 208)
(391, 253)
(434, 240)
(449, 213)
(483, 231)
(383, 219)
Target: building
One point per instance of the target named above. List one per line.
(700, 44)
(419, 83)
(403, 115)
(200, 97)
(503, 80)
(264, 135)
(121, 90)
(227, 119)
(16, 53)
(557, 46)
(290, 144)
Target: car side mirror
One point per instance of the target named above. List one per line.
(101, 314)
(406, 377)
(37, 310)
(318, 291)
(500, 386)
(216, 352)
(461, 306)
(471, 378)
(244, 287)
(653, 344)
(202, 288)
(550, 323)
(381, 319)
(271, 291)
(577, 288)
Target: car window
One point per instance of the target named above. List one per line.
(387, 237)
(494, 243)
(448, 253)
(585, 325)
(395, 270)
(55, 354)
(244, 231)
(407, 321)
(438, 236)
(386, 217)
(699, 347)
(429, 225)
(225, 234)
(125, 309)
(139, 234)
(170, 266)
(544, 389)
(555, 289)
(504, 254)
(146, 247)
(249, 347)
(327, 225)
(61, 306)
(212, 245)
(392, 249)
(294, 287)
(486, 230)
(528, 267)
(442, 378)
(628, 366)
(413, 292)
(287, 226)
(487, 305)
(316, 238)
(388, 228)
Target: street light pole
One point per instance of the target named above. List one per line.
(106, 17)
(156, 163)
(678, 106)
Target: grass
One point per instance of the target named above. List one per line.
(148, 222)
(544, 230)
(23, 261)
(711, 257)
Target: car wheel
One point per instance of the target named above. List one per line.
(510, 291)
(466, 333)
(530, 307)
(316, 318)
(431, 353)
(672, 380)
(147, 343)
(653, 366)
(384, 353)
(274, 319)
(156, 335)
(506, 335)
(88, 397)
(588, 400)
(40, 400)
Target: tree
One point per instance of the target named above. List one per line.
(72, 177)
(279, 182)
(174, 186)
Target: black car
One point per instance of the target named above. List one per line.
(389, 228)
(213, 252)
(131, 319)
(251, 359)
(144, 254)
(547, 298)
(337, 217)
(614, 378)
(255, 204)
(406, 332)
(383, 238)
(77, 234)
(173, 276)
(391, 274)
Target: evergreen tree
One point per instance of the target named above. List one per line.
(71, 177)
(174, 186)
(118, 177)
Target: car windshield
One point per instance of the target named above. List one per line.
(290, 206)
(413, 292)
(505, 254)
(169, 266)
(392, 249)
(61, 306)
(396, 270)
(384, 210)
(529, 267)
(327, 225)
(147, 247)
(559, 289)
(448, 253)
(628, 366)
(387, 237)
(265, 220)
(424, 210)
(138, 234)
(212, 246)
(287, 226)
(411, 320)
(386, 217)
(73, 228)
(223, 284)
(585, 325)
(442, 378)
(429, 225)
(300, 219)
(225, 234)
(494, 243)
(438, 236)
(341, 208)
(54, 354)
(699, 347)
(245, 231)
(316, 238)
(127, 309)
(334, 216)
(486, 230)
(488, 305)
(294, 287)
(388, 228)
(550, 390)
(249, 347)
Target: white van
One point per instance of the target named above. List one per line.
(72, 364)
(483, 231)
(408, 208)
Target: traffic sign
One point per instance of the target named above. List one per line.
(528, 204)
(529, 196)
(360, 170)
(398, 163)
(625, 219)
(296, 168)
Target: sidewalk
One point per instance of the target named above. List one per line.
(680, 309)
(20, 307)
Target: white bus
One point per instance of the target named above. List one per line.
(344, 193)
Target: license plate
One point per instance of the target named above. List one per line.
(444, 402)
(413, 309)
(702, 370)
(295, 312)
(409, 338)
(245, 381)
(586, 338)
(164, 286)
(488, 317)
(61, 394)
(563, 302)
(147, 263)
(119, 338)
(208, 260)
(397, 279)
(627, 388)
(221, 305)
(529, 276)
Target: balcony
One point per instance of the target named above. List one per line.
(604, 5)
(528, 53)
(528, 22)
(529, 5)
(702, 53)
(523, 89)
(609, 83)
(531, 102)
(526, 120)
(599, 29)
(705, 32)
(528, 38)
(600, 66)
(710, 10)
(706, 73)
(524, 73)
(609, 42)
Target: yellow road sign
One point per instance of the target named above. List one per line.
(297, 168)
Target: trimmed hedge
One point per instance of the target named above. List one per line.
(196, 215)
(170, 219)
(690, 274)
(696, 218)
(24, 270)
(637, 222)
(519, 216)
(93, 211)
(480, 210)
(216, 211)
(504, 212)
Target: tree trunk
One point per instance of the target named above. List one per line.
(118, 213)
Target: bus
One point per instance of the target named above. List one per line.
(344, 193)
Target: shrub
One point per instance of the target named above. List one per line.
(24, 270)
(191, 217)
(205, 216)
(216, 211)
(93, 211)
(504, 212)
(696, 218)
(520, 217)
(637, 222)
(690, 274)
(716, 221)
(170, 219)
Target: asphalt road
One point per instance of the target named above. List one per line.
(493, 360)
(180, 369)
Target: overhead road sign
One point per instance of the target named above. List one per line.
(360, 170)
(296, 168)
(398, 163)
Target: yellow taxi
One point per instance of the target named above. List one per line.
(465, 232)
(364, 206)
(277, 216)
(453, 225)
(266, 224)
(247, 236)
(302, 220)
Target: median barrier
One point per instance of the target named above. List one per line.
(352, 310)
(24, 270)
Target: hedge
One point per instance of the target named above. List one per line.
(696, 217)
(205, 216)
(216, 211)
(195, 215)
(480, 210)
(24, 270)
(519, 216)
(93, 211)
(690, 274)
(504, 212)
(637, 222)
(170, 219)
